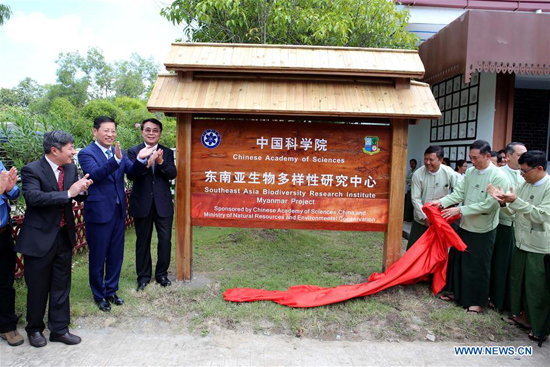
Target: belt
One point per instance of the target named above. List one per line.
(4, 229)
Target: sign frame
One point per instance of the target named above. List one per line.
(184, 222)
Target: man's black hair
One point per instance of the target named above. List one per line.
(438, 150)
(495, 154)
(534, 158)
(483, 146)
(101, 119)
(57, 139)
(154, 121)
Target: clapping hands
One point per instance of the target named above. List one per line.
(80, 185)
(118, 150)
(500, 195)
(3, 181)
(8, 180)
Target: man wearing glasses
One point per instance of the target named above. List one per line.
(504, 242)
(468, 273)
(151, 203)
(530, 298)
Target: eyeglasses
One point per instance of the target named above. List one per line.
(154, 131)
(524, 172)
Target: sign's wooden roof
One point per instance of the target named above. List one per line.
(291, 97)
(287, 59)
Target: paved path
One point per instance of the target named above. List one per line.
(113, 346)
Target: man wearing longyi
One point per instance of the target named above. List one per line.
(105, 209)
(432, 181)
(468, 273)
(530, 202)
(48, 236)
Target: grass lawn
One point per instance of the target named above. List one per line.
(277, 259)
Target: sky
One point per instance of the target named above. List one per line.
(38, 30)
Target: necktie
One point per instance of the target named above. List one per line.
(109, 153)
(60, 183)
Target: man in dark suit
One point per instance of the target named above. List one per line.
(48, 237)
(151, 203)
(8, 319)
(105, 208)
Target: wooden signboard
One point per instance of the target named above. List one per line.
(267, 174)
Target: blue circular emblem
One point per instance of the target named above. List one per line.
(211, 138)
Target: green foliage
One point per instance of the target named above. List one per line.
(100, 107)
(168, 131)
(128, 104)
(128, 136)
(5, 13)
(87, 87)
(99, 73)
(25, 133)
(355, 23)
(63, 108)
(135, 77)
(26, 93)
(9, 97)
(84, 78)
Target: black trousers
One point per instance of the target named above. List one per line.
(50, 276)
(144, 233)
(8, 319)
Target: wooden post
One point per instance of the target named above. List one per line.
(394, 233)
(184, 229)
(504, 110)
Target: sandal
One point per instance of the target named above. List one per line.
(536, 338)
(471, 310)
(446, 298)
(513, 321)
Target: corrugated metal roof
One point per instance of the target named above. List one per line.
(294, 60)
(291, 98)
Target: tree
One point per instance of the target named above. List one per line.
(99, 73)
(27, 91)
(100, 107)
(62, 108)
(134, 77)
(5, 13)
(355, 23)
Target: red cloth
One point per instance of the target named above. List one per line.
(427, 256)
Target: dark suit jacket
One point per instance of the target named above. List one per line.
(108, 177)
(148, 185)
(43, 213)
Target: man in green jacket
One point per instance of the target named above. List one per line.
(430, 182)
(468, 273)
(504, 242)
(530, 298)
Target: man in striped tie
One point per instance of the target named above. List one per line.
(48, 236)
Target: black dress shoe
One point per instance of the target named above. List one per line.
(37, 339)
(141, 286)
(164, 282)
(114, 299)
(103, 305)
(67, 338)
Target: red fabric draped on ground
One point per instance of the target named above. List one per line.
(427, 256)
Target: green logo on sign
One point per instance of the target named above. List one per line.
(371, 145)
